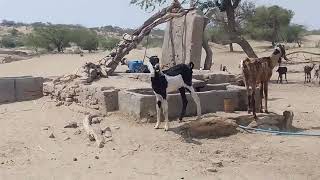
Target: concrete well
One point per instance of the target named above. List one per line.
(141, 103)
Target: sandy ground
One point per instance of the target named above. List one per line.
(140, 152)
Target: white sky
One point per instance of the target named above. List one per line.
(121, 13)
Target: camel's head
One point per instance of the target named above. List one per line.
(281, 51)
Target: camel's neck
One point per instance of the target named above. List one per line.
(274, 59)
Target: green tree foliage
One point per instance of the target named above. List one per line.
(8, 42)
(293, 33)
(85, 39)
(36, 41)
(54, 35)
(109, 43)
(14, 32)
(269, 22)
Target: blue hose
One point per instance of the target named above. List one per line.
(279, 132)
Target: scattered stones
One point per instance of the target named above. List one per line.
(96, 157)
(68, 90)
(59, 104)
(217, 164)
(75, 159)
(96, 120)
(52, 136)
(107, 132)
(214, 170)
(69, 100)
(77, 132)
(46, 128)
(71, 125)
(116, 127)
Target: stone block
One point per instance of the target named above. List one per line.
(7, 92)
(183, 40)
(20, 88)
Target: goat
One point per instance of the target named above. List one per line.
(178, 77)
(282, 71)
(307, 72)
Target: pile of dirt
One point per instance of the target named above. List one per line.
(213, 127)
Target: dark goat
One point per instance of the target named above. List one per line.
(282, 71)
(178, 77)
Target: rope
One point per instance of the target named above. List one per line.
(279, 132)
(145, 51)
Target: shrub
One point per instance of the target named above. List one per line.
(152, 42)
(8, 42)
(109, 43)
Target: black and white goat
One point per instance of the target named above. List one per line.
(178, 77)
(282, 70)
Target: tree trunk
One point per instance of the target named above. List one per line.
(233, 32)
(231, 47)
(206, 47)
(245, 46)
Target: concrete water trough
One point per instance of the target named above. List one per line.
(140, 103)
(20, 88)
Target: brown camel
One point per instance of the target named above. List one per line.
(259, 71)
(307, 72)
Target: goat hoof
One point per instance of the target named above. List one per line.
(156, 126)
(255, 117)
(266, 111)
(166, 128)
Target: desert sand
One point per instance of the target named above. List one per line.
(138, 151)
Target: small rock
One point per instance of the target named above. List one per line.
(107, 132)
(182, 178)
(113, 148)
(75, 159)
(96, 120)
(69, 99)
(71, 125)
(89, 167)
(59, 104)
(52, 136)
(289, 105)
(253, 124)
(217, 164)
(212, 170)
(77, 132)
(67, 103)
(116, 127)
(218, 152)
(96, 157)
(46, 128)
(66, 139)
(2, 162)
